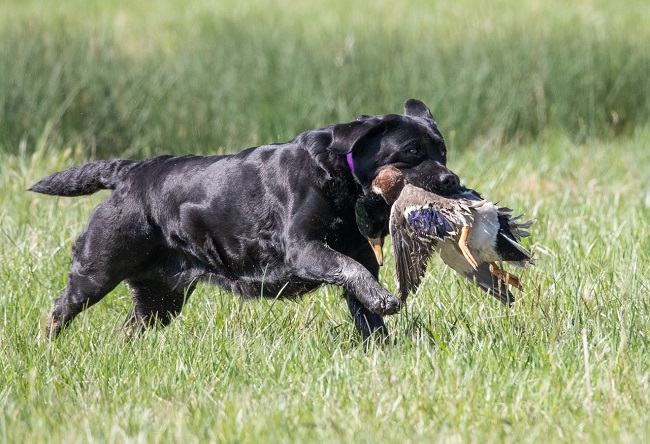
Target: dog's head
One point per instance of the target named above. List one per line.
(409, 142)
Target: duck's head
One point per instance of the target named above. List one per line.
(372, 221)
(388, 184)
(372, 211)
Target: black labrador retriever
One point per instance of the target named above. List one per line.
(274, 221)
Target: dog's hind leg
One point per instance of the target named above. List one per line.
(155, 302)
(84, 288)
(107, 252)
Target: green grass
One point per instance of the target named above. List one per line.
(165, 76)
(461, 367)
(545, 109)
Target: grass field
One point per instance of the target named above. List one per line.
(545, 109)
(213, 76)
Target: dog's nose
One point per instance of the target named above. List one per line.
(450, 181)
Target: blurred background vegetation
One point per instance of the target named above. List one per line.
(136, 79)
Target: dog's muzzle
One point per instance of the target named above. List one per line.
(433, 177)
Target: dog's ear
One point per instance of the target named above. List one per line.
(416, 108)
(346, 135)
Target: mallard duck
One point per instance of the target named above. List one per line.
(470, 234)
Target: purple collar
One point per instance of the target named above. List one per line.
(350, 163)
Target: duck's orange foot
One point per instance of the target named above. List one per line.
(511, 279)
(462, 244)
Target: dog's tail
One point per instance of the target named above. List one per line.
(85, 179)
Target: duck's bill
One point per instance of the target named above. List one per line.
(377, 243)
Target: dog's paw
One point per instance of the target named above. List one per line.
(387, 305)
(52, 327)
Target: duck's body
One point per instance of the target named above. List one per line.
(492, 238)
(469, 233)
(494, 233)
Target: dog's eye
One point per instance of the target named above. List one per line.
(411, 148)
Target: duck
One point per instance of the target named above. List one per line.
(470, 234)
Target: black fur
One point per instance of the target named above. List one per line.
(274, 221)
(85, 179)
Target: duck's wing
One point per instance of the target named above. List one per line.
(433, 216)
(411, 253)
(419, 219)
(481, 276)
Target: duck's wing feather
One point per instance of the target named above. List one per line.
(419, 219)
(411, 254)
(428, 222)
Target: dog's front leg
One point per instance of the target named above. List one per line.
(367, 323)
(317, 262)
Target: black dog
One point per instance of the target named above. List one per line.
(275, 220)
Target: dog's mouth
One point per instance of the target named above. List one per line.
(430, 176)
(433, 177)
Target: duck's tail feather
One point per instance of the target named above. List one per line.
(515, 224)
(528, 256)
